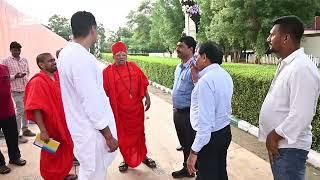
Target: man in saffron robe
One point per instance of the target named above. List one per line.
(126, 86)
(43, 105)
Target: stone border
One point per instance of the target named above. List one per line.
(313, 156)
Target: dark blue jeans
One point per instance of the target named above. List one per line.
(290, 164)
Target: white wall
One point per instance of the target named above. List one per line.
(174, 55)
(312, 45)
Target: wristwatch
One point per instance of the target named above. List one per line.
(193, 152)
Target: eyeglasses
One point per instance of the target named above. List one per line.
(121, 55)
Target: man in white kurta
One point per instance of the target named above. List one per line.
(87, 110)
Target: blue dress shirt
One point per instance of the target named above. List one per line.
(210, 104)
(183, 85)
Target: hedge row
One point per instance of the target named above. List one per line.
(251, 84)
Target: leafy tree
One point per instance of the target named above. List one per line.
(101, 40)
(167, 23)
(244, 24)
(61, 26)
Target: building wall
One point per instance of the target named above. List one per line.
(312, 45)
(34, 37)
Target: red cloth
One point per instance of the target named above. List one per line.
(6, 103)
(128, 112)
(119, 47)
(42, 93)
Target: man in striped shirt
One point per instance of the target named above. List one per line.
(19, 71)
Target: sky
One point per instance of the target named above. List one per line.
(112, 13)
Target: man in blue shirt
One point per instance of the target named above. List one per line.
(181, 98)
(209, 115)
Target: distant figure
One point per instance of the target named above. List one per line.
(288, 109)
(8, 123)
(88, 112)
(43, 105)
(19, 72)
(126, 86)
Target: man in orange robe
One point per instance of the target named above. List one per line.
(126, 86)
(43, 105)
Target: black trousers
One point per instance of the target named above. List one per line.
(212, 159)
(10, 131)
(184, 130)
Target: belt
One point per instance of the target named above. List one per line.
(187, 109)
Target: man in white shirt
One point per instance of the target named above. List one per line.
(209, 115)
(88, 113)
(289, 107)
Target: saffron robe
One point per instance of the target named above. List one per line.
(42, 93)
(128, 109)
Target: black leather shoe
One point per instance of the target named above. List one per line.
(18, 162)
(182, 173)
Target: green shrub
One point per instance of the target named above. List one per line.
(251, 84)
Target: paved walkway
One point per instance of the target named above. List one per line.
(161, 143)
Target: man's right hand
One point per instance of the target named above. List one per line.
(194, 73)
(110, 140)
(112, 144)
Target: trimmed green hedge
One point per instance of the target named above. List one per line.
(251, 84)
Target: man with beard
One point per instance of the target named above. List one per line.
(43, 105)
(288, 109)
(181, 99)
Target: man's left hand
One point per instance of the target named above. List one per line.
(191, 162)
(272, 143)
(147, 104)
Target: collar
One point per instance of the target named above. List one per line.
(208, 69)
(187, 64)
(292, 56)
(13, 58)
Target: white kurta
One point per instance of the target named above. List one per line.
(87, 110)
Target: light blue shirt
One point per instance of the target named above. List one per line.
(210, 104)
(183, 85)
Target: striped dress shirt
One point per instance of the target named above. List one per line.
(17, 66)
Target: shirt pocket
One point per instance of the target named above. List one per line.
(23, 66)
(280, 94)
(185, 84)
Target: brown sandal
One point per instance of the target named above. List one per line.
(4, 169)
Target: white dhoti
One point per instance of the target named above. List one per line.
(87, 110)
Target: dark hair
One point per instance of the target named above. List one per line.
(58, 52)
(189, 41)
(41, 57)
(15, 45)
(81, 23)
(212, 51)
(291, 25)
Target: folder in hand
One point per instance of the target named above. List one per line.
(51, 146)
